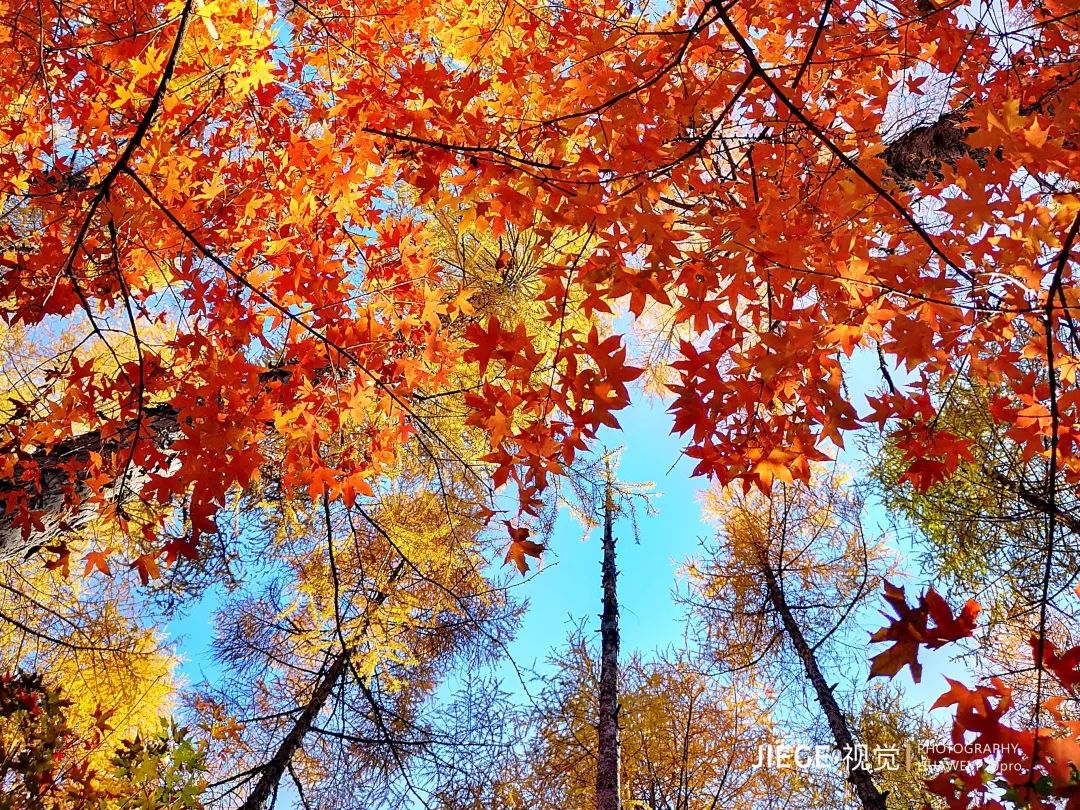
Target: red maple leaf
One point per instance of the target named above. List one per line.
(912, 627)
(521, 547)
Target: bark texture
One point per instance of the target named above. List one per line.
(60, 502)
(608, 788)
(861, 779)
(920, 152)
(271, 773)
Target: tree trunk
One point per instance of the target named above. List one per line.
(56, 517)
(276, 766)
(861, 779)
(62, 473)
(920, 152)
(607, 727)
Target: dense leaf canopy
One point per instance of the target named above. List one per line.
(339, 256)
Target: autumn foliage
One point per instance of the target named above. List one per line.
(930, 623)
(294, 265)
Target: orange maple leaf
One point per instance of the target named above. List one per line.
(99, 561)
(101, 719)
(912, 628)
(521, 547)
(146, 565)
(62, 561)
(187, 547)
(1064, 667)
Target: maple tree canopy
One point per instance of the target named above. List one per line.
(219, 183)
(234, 204)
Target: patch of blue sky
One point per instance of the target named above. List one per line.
(565, 594)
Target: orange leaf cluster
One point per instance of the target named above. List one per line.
(929, 623)
(244, 193)
(521, 547)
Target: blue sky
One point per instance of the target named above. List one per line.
(567, 589)
(565, 592)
